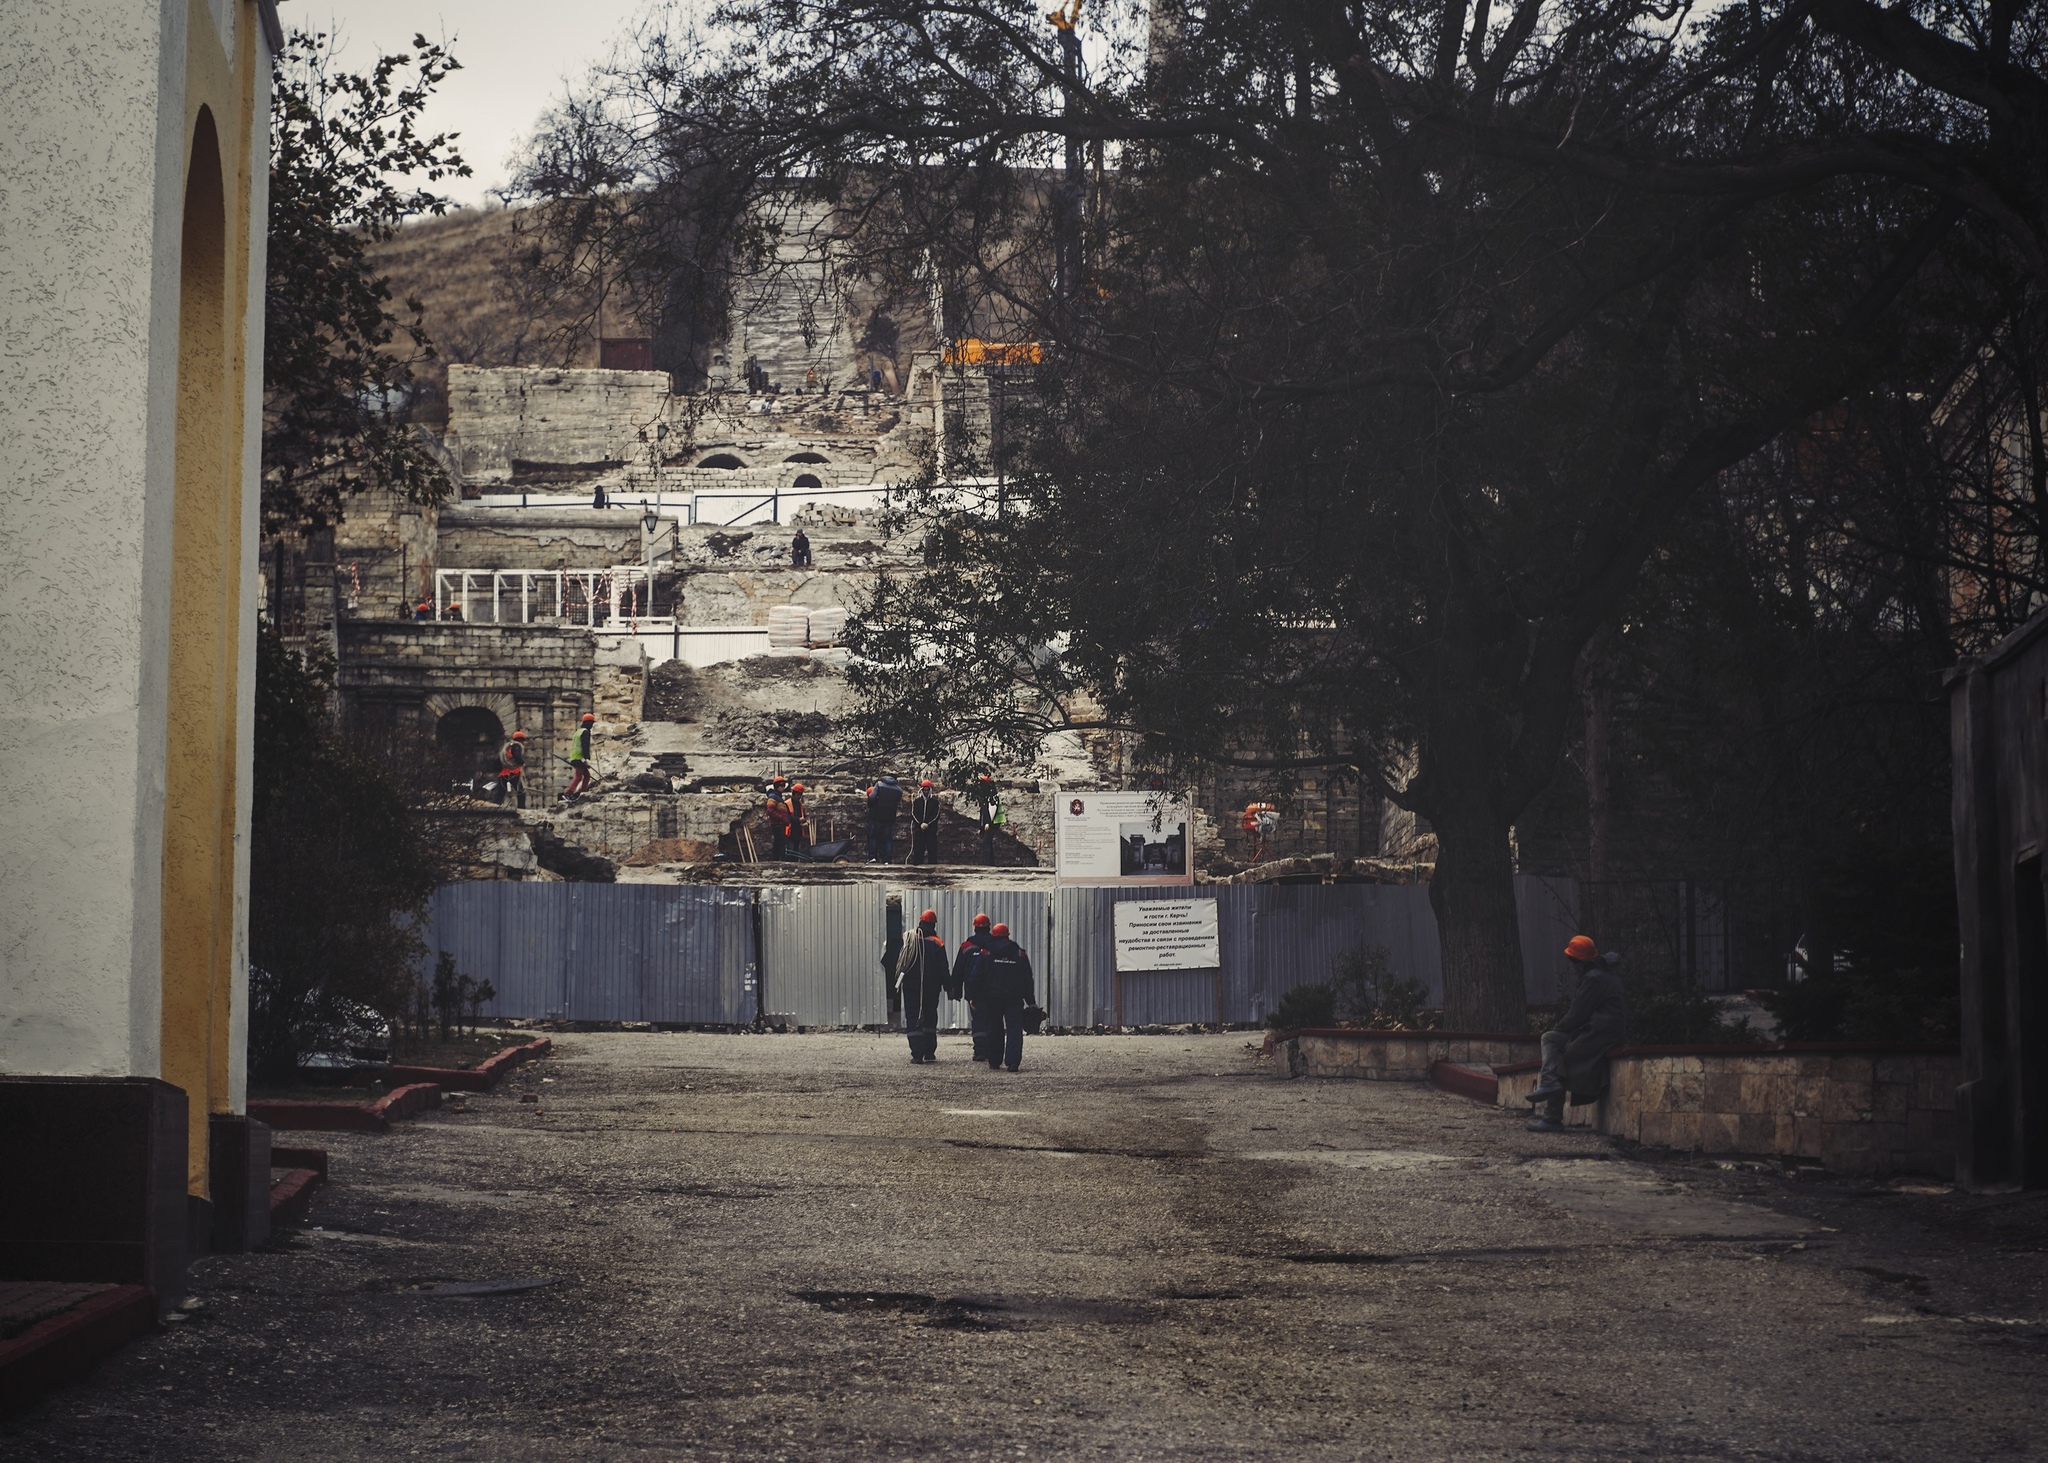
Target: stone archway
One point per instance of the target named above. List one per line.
(468, 739)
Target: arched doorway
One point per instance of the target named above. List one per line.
(200, 748)
(469, 738)
(806, 482)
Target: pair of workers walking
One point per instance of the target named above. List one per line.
(990, 972)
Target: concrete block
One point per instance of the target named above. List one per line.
(1891, 1101)
(1687, 1090)
(1756, 1132)
(1722, 1092)
(1720, 1132)
(1653, 1130)
(1893, 1068)
(1809, 1137)
(1685, 1130)
(1849, 1071)
(1846, 1102)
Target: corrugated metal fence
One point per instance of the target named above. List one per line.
(651, 952)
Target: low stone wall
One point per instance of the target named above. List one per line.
(1856, 1109)
(1393, 1056)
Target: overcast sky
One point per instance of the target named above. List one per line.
(515, 56)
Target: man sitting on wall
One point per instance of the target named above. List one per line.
(1575, 1050)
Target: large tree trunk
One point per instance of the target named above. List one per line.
(1478, 934)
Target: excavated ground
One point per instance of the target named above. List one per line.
(1139, 1247)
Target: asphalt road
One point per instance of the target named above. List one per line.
(803, 1247)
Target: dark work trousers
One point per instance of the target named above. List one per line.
(1006, 1033)
(514, 783)
(778, 844)
(882, 840)
(924, 844)
(985, 1025)
(921, 1019)
(988, 847)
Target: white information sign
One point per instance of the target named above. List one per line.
(1167, 934)
(1121, 838)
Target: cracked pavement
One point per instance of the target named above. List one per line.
(801, 1247)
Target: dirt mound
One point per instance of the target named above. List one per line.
(671, 851)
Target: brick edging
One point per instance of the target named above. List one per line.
(1463, 1081)
(348, 1117)
(292, 1195)
(64, 1347)
(480, 1078)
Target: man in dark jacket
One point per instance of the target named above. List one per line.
(1575, 1050)
(800, 551)
(971, 950)
(885, 800)
(998, 989)
(920, 976)
(924, 824)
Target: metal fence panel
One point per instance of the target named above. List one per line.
(1290, 935)
(1024, 910)
(600, 952)
(821, 952)
(1548, 910)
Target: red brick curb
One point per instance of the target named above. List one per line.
(1465, 1081)
(64, 1348)
(349, 1117)
(292, 1195)
(313, 1158)
(480, 1078)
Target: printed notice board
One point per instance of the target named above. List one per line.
(1167, 934)
(1121, 838)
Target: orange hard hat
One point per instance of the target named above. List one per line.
(798, 788)
(986, 778)
(981, 921)
(929, 917)
(926, 783)
(1001, 932)
(1581, 947)
(588, 717)
(780, 778)
(519, 736)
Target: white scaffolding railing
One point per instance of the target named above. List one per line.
(592, 599)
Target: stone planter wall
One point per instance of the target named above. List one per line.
(1394, 1056)
(1868, 1110)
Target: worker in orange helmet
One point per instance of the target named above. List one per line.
(579, 759)
(1575, 1050)
(920, 976)
(512, 769)
(924, 824)
(799, 837)
(964, 965)
(998, 991)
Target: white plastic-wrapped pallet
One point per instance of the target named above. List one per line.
(789, 627)
(828, 626)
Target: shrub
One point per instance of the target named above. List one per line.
(1305, 1005)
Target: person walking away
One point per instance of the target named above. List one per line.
(579, 760)
(778, 819)
(1575, 1050)
(800, 551)
(1002, 977)
(512, 769)
(921, 975)
(892, 950)
(885, 800)
(965, 964)
(924, 825)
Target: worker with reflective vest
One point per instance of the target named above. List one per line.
(799, 841)
(512, 769)
(778, 818)
(579, 759)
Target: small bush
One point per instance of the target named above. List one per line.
(1370, 994)
(1305, 1005)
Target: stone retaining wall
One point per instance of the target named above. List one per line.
(1867, 1110)
(1394, 1056)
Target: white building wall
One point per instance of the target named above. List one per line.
(91, 180)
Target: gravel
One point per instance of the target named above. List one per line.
(803, 1247)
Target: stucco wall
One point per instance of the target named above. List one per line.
(97, 101)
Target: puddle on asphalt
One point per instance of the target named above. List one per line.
(979, 1312)
(1372, 1160)
(1632, 1199)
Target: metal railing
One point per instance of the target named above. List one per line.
(772, 500)
(589, 598)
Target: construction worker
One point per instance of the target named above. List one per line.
(990, 816)
(885, 800)
(579, 760)
(1575, 1050)
(920, 978)
(998, 989)
(799, 827)
(965, 964)
(924, 824)
(512, 769)
(800, 551)
(778, 818)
